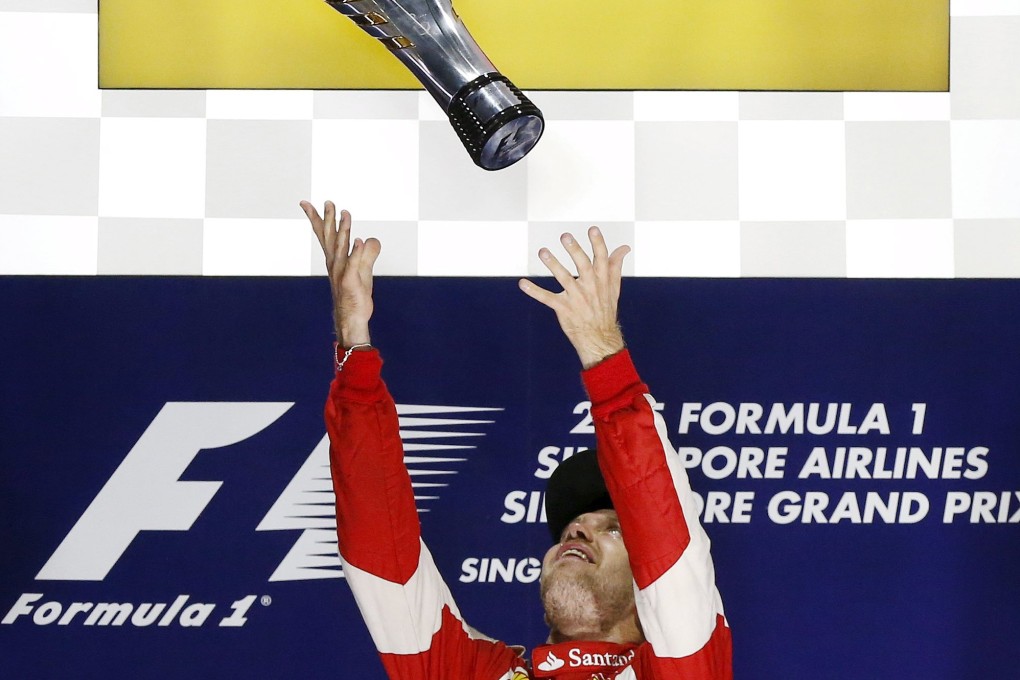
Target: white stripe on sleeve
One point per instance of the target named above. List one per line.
(678, 611)
(402, 618)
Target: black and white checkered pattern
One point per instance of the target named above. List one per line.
(701, 183)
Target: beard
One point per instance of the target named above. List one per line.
(578, 601)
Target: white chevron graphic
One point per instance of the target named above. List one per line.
(307, 503)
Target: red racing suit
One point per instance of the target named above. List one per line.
(407, 606)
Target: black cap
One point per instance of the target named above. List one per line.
(575, 487)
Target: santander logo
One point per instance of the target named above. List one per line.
(551, 663)
(591, 656)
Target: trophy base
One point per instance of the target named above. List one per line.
(497, 124)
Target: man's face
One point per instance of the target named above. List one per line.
(587, 574)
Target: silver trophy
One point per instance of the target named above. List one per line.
(496, 122)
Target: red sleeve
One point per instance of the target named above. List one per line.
(377, 522)
(407, 606)
(678, 603)
(633, 462)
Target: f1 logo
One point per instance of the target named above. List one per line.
(145, 492)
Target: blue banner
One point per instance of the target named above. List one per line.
(166, 512)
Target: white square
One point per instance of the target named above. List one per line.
(369, 167)
(429, 108)
(899, 249)
(247, 247)
(48, 65)
(984, 8)
(259, 104)
(704, 248)
(583, 171)
(907, 106)
(986, 168)
(472, 248)
(44, 244)
(686, 106)
(792, 170)
(152, 167)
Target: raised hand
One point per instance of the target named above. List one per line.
(350, 272)
(587, 306)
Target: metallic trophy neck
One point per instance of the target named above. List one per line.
(427, 36)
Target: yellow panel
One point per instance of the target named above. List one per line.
(540, 44)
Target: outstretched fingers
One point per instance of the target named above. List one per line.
(536, 292)
(341, 241)
(329, 229)
(616, 268)
(333, 239)
(362, 258)
(349, 264)
(599, 249)
(372, 249)
(601, 266)
(577, 255)
(587, 306)
(316, 221)
(562, 275)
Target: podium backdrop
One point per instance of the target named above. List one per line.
(167, 514)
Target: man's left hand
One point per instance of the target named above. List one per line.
(587, 306)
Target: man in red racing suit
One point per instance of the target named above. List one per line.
(643, 609)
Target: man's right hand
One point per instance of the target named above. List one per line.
(350, 272)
